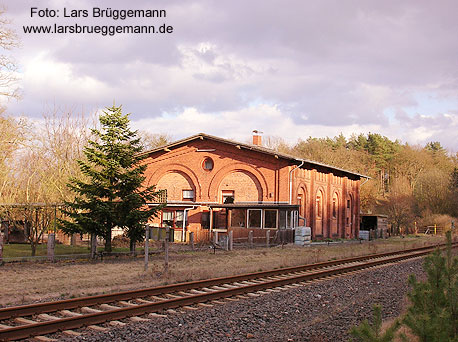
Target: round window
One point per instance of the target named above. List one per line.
(208, 164)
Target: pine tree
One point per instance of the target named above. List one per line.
(372, 332)
(433, 314)
(112, 193)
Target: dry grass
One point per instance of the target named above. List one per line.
(404, 330)
(29, 282)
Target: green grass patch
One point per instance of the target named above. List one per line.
(23, 250)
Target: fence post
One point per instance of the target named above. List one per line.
(231, 240)
(6, 232)
(191, 240)
(166, 247)
(215, 238)
(435, 229)
(250, 238)
(51, 245)
(267, 238)
(146, 247)
(1, 248)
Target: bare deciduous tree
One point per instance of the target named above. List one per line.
(8, 66)
(150, 141)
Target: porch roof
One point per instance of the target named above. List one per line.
(238, 205)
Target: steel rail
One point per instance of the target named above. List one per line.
(37, 308)
(41, 328)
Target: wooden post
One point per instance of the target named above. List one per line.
(146, 247)
(1, 248)
(250, 238)
(215, 238)
(267, 238)
(93, 246)
(51, 246)
(231, 240)
(166, 248)
(226, 247)
(6, 228)
(191, 240)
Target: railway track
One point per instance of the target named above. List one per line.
(40, 319)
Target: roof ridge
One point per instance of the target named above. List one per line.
(251, 147)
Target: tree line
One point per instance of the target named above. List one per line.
(410, 183)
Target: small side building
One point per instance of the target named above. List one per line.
(374, 226)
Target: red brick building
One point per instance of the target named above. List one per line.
(214, 184)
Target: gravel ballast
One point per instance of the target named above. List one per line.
(322, 311)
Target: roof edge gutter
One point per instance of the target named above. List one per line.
(367, 180)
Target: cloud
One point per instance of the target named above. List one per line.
(318, 68)
(270, 119)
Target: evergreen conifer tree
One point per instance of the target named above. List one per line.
(433, 314)
(113, 192)
(372, 332)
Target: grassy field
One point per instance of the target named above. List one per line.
(28, 282)
(23, 250)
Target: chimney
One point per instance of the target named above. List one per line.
(257, 139)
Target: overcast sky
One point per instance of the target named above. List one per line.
(288, 68)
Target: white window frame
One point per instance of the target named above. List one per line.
(188, 191)
(264, 219)
(225, 194)
(248, 219)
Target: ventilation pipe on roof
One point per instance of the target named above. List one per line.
(291, 181)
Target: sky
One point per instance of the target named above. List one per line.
(288, 68)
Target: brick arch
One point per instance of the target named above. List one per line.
(322, 189)
(184, 170)
(254, 174)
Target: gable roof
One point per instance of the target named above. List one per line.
(251, 147)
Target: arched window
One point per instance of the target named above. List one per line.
(319, 204)
(335, 206)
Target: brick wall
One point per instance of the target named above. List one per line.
(256, 177)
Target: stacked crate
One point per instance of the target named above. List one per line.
(303, 236)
